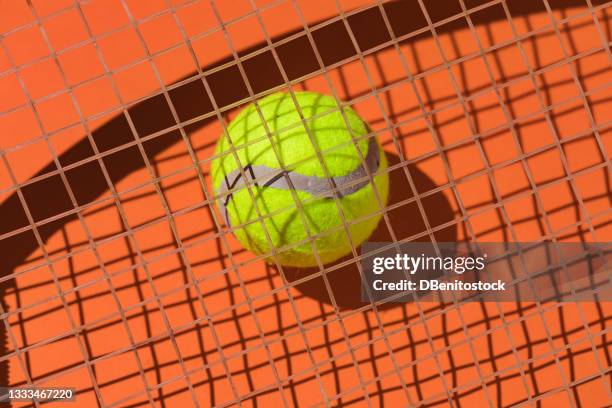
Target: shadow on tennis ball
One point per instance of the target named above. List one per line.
(406, 221)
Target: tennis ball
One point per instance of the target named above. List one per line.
(296, 196)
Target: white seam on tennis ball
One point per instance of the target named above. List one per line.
(286, 180)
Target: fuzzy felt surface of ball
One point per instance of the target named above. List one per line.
(297, 183)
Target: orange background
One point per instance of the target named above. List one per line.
(66, 70)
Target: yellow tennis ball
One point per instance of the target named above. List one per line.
(298, 197)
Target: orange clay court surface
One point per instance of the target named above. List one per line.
(501, 123)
